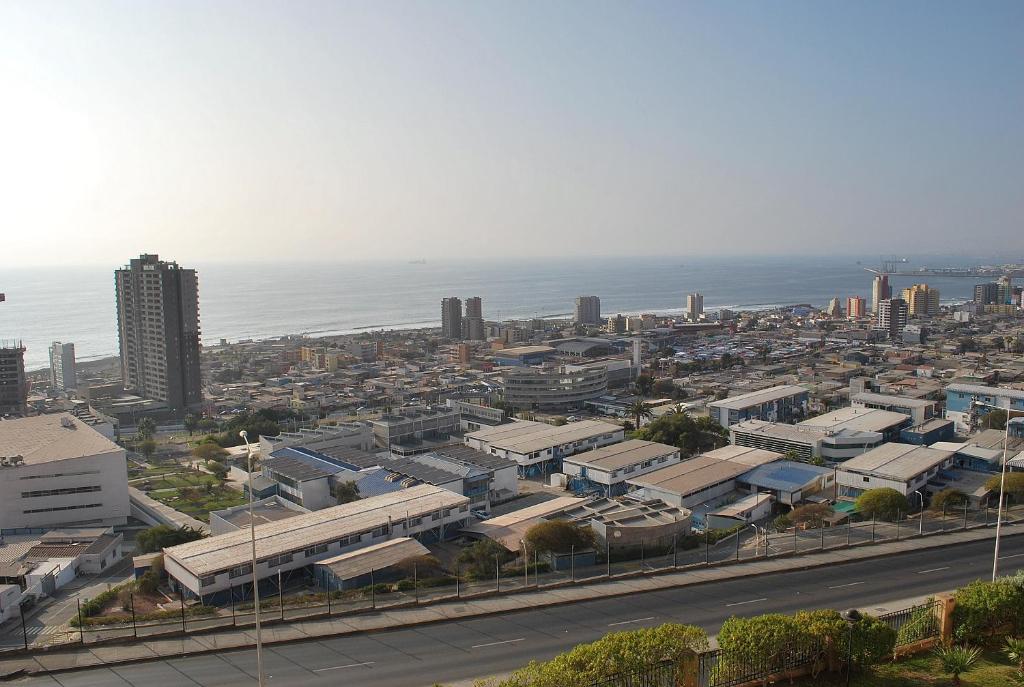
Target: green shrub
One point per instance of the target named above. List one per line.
(615, 653)
(982, 608)
(405, 585)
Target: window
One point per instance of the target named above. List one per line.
(58, 492)
(58, 508)
(240, 570)
(867, 479)
(207, 580)
(381, 531)
(314, 550)
(279, 560)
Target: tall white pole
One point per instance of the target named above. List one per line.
(1002, 496)
(255, 582)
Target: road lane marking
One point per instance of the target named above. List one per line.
(848, 584)
(507, 641)
(741, 603)
(1014, 555)
(350, 665)
(627, 622)
(931, 570)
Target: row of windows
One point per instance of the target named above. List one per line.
(58, 492)
(318, 549)
(62, 474)
(56, 508)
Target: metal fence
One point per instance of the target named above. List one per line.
(660, 675)
(718, 668)
(914, 624)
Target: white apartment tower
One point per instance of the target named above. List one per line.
(62, 366)
(694, 306)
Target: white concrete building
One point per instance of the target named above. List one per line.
(607, 469)
(779, 403)
(56, 471)
(903, 467)
(537, 447)
(208, 568)
(806, 441)
(918, 409)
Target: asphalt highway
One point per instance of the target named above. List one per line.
(457, 651)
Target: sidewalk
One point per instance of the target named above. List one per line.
(99, 654)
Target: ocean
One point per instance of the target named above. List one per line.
(239, 301)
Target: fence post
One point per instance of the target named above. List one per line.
(373, 592)
(135, 628)
(675, 554)
(231, 594)
(497, 574)
(328, 598)
(81, 626)
(822, 528)
(872, 528)
(641, 554)
(899, 515)
(946, 605)
(688, 670)
(849, 528)
(795, 543)
(415, 585)
(944, 517)
(965, 514)
(737, 545)
(986, 514)
(536, 568)
(572, 563)
(707, 548)
(608, 557)
(920, 523)
(181, 597)
(280, 593)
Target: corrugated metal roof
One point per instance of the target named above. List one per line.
(631, 452)
(46, 438)
(374, 557)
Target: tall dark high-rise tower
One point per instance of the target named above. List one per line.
(158, 327)
(451, 318)
(473, 324)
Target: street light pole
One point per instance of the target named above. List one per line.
(1002, 496)
(255, 582)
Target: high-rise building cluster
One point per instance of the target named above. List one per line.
(13, 385)
(880, 291)
(855, 307)
(456, 326)
(922, 300)
(994, 293)
(158, 328)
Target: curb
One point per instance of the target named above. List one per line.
(809, 565)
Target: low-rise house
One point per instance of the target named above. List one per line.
(539, 448)
(903, 467)
(605, 470)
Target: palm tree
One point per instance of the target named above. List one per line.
(640, 410)
(957, 659)
(1014, 651)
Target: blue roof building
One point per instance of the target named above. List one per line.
(788, 481)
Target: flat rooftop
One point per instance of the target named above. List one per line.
(620, 455)
(526, 437)
(523, 350)
(785, 475)
(895, 461)
(780, 431)
(755, 398)
(892, 400)
(266, 510)
(47, 438)
(859, 419)
(225, 551)
(993, 391)
(698, 473)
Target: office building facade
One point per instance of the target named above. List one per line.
(880, 291)
(13, 385)
(855, 307)
(922, 300)
(892, 316)
(986, 294)
(473, 323)
(588, 310)
(694, 306)
(451, 318)
(554, 388)
(158, 327)
(62, 366)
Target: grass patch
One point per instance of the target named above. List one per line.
(991, 670)
(195, 494)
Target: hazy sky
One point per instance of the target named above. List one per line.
(208, 130)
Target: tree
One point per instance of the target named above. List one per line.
(994, 419)
(811, 515)
(559, 536)
(209, 451)
(1014, 484)
(644, 384)
(640, 411)
(615, 654)
(882, 504)
(948, 497)
(145, 428)
(967, 344)
(479, 560)
(147, 447)
(957, 659)
(665, 387)
(683, 431)
(217, 469)
(346, 492)
(161, 536)
(191, 424)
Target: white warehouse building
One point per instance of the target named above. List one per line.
(57, 471)
(538, 448)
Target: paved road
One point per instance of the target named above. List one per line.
(455, 651)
